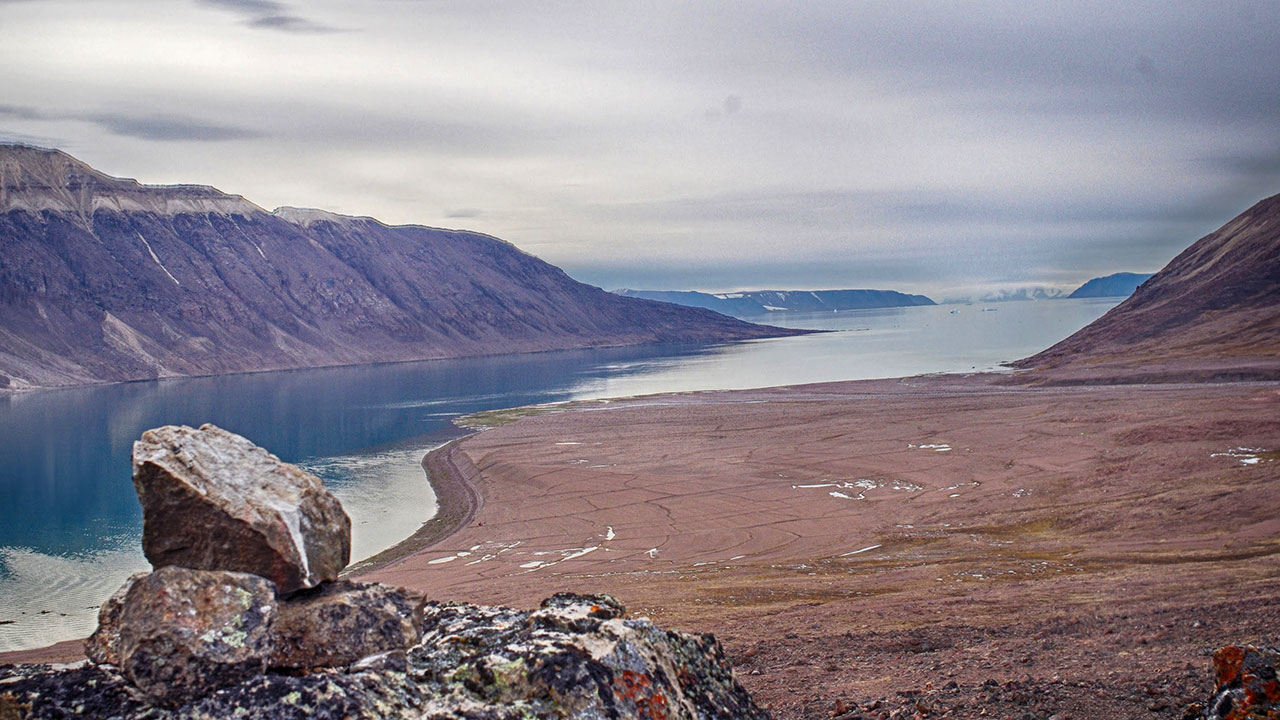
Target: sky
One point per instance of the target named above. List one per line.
(943, 148)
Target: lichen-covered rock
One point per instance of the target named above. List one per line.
(577, 657)
(103, 646)
(183, 632)
(339, 623)
(1247, 687)
(212, 500)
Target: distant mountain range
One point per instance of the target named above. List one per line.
(1212, 313)
(760, 302)
(103, 279)
(1117, 285)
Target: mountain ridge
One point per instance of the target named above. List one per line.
(104, 279)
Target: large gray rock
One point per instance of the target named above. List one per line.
(340, 623)
(184, 633)
(212, 500)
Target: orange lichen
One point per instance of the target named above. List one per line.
(1227, 661)
(649, 702)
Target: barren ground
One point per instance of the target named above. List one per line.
(939, 546)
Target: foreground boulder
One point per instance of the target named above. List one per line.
(576, 657)
(183, 633)
(103, 646)
(212, 500)
(342, 622)
(1246, 687)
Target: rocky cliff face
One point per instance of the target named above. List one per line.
(1211, 313)
(103, 279)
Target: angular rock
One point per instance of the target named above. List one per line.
(339, 623)
(212, 500)
(103, 646)
(1247, 687)
(184, 633)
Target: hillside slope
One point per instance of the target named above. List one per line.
(1212, 313)
(103, 279)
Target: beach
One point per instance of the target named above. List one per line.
(852, 542)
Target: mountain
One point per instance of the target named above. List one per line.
(759, 302)
(1117, 285)
(104, 279)
(1213, 313)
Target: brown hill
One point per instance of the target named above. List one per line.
(1213, 313)
(104, 279)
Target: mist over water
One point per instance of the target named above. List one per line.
(70, 523)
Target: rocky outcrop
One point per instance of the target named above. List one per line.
(103, 646)
(184, 633)
(1246, 686)
(343, 622)
(575, 657)
(104, 279)
(212, 500)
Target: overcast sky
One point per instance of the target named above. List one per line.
(930, 147)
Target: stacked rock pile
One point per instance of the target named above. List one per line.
(246, 550)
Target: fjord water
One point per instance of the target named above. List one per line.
(70, 524)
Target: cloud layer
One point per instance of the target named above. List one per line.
(712, 145)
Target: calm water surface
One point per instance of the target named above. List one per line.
(70, 524)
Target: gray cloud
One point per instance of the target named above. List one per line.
(152, 126)
(167, 127)
(463, 213)
(718, 144)
(271, 15)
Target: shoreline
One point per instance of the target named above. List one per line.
(458, 499)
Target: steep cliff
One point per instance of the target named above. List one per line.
(104, 279)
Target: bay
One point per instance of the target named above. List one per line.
(70, 524)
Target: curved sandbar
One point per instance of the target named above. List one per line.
(452, 477)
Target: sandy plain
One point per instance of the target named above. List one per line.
(939, 546)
